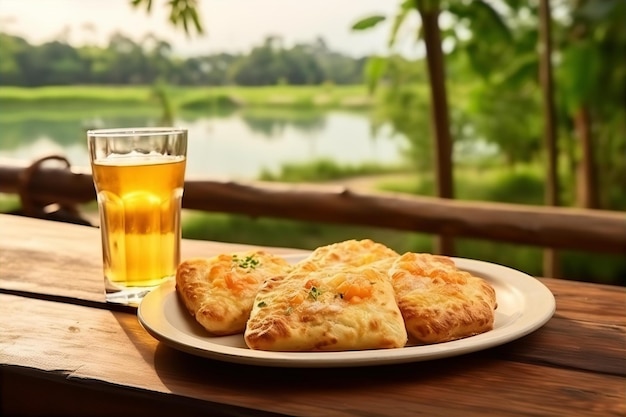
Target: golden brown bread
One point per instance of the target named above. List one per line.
(219, 291)
(438, 301)
(347, 253)
(351, 295)
(329, 309)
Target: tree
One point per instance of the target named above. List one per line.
(183, 13)
(11, 47)
(593, 60)
(260, 67)
(550, 258)
(429, 13)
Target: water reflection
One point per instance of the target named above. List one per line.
(235, 144)
(272, 123)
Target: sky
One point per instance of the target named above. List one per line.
(230, 25)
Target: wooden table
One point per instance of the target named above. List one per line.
(64, 351)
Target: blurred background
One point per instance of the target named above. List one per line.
(532, 102)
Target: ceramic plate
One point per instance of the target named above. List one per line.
(524, 305)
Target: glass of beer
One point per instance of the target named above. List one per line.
(139, 177)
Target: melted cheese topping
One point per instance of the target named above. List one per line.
(219, 291)
(438, 301)
(351, 295)
(339, 308)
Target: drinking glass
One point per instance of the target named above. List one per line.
(138, 175)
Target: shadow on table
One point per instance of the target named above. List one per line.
(291, 391)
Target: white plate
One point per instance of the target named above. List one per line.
(524, 305)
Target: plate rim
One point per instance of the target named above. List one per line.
(534, 293)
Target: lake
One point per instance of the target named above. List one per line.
(237, 145)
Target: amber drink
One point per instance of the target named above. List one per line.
(139, 177)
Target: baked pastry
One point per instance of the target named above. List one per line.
(351, 295)
(329, 309)
(347, 253)
(219, 291)
(440, 302)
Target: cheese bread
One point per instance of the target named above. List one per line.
(328, 309)
(347, 253)
(438, 301)
(219, 291)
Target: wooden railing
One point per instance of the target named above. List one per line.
(549, 227)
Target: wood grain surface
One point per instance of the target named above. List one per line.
(63, 351)
(78, 343)
(68, 257)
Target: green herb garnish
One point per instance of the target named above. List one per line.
(262, 304)
(249, 262)
(314, 293)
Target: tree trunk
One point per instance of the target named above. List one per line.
(586, 195)
(429, 13)
(550, 256)
(549, 113)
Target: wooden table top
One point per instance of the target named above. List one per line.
(64, 351)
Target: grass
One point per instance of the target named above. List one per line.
(523, 184)
(326, 170)
(59, 113)
(72, 96)
(190, 98)
(287, 233)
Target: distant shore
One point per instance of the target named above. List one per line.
(190, 98)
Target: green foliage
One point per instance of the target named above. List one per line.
(368, 22)
(527, 259)
(197, 98)
(80, 95)
(513, 187)
(303, 64)
(406, 108)
(325, 170)
(210, 102)
(405, 8)
(579, 73)
(494, 99)
(592, 79)
(490, 45)
(507, 118)
(374, 71)
(603, 268)
(182, 13)
(285, 233)
(124, 61)
(523, 185)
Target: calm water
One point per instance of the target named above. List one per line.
(235, 146)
